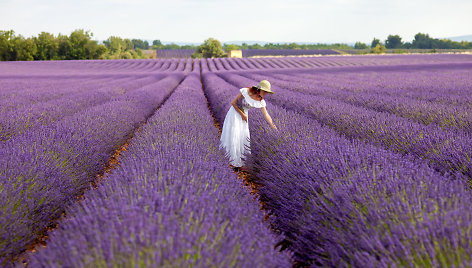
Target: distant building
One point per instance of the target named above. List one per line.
(235, 54)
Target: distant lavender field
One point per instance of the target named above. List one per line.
(286, 52)
(371, 166)
(187, 53)
(174, 53)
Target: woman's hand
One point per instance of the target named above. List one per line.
(244, 116)
(268, 118)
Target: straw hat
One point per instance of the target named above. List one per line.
(264, 85)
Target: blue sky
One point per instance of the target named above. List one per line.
(272, 21)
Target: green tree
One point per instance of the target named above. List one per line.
(142, 44)
(407, 45)
(24, 48)
(128, 44)
(6, 45)
(94, 51)
(46, 46)
(211, 48)
(422, 41)
(375, 42)
(119, 48)
(114, 44)
(393, 41)
(64, 47)
(170, 46)
(83, 47)
(78, 40)
(229, 47)
(14, 47)
(156, 44)
(188, 47)
(360, 45)
(292, 45)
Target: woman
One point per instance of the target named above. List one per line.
(235, 134)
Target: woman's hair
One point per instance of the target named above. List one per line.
(255, 89)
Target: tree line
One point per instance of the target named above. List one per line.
(79, 46)
(292, 45)
(421, 41)
(212, 48)
(227, 47)
(76, 46)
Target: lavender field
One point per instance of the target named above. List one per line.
(187, 53)
(371, 166)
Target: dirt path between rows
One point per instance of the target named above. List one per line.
(245, 176)
(249, 181)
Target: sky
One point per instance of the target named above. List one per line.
(315, 21)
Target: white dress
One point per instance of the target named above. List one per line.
(235, 134)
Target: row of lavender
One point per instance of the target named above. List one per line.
(264, 64)
(342, 202)
(439, 95)
(442, 84)
(446, 150)
(172, 202)
(84, 68)
(27, 107)
(50, 154)
(61, 69)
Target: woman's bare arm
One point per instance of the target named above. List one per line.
(268, 118)
(233, 103)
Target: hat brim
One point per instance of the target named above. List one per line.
(268, 91)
